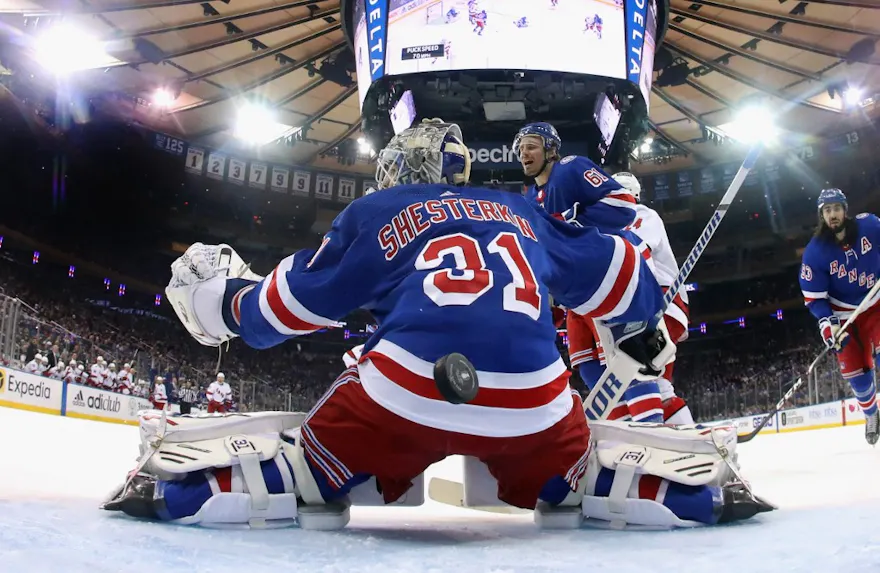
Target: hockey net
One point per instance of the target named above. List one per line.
(434, 13)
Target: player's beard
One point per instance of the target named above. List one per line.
(836, 226)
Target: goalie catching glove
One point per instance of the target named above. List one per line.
(202, 284)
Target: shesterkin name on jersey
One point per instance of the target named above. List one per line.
(417, 218)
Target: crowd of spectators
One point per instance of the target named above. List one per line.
(727, 371)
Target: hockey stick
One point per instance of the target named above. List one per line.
(611, 386)
(800, 380)
(615, 381)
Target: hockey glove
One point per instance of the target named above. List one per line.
(832, 335)
(200, 281)
(647, 345)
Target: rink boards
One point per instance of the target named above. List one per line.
(827, 415)
(38, 394)
(34, 393)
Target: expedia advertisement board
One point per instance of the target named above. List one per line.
(29, 392)
(93, 404)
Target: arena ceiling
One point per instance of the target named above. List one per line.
(812, 63)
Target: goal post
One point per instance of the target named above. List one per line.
(434, 13)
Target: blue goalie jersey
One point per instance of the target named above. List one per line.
(603, 202)
(835, 278)
(446, 269)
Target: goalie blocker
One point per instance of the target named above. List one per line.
(249, 470)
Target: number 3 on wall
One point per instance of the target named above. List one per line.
(474, 279)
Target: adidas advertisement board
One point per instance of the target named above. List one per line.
(94, 404)
(30, 392)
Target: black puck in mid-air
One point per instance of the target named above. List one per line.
(456, 378)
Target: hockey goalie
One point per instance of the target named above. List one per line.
(464, 362)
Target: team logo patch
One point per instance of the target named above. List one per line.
(567, 159)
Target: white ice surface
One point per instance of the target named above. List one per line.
(54, 471)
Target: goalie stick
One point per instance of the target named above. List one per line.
(616, 379)
(800, 380)
(451, 492)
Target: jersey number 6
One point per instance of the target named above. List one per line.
(473, 279)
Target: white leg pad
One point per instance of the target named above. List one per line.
(622, 508)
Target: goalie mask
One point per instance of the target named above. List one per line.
(430, 152)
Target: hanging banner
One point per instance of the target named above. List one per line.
(257, 175)
(195, 160)
(216, 166)
(280, 179)
(324, 187)
(237, 168)
(301, 182)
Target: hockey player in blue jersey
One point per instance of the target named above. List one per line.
(443, 268)
(593, 23)
(521, 23)
(480, 22)
(451, 15)
(572, 184)
(840, 265)
(576, 190)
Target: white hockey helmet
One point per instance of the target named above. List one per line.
(629, 182)
(221, 376)
(100, 359)
(126, 365)
(44, 359)
(38, 357)
(112, 366)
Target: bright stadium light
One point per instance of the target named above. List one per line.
(163, 98)
(364, 146)
(256, 125)
(63, 49)
(853, 96)
(752, 124)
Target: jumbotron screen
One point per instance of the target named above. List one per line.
(592, 37)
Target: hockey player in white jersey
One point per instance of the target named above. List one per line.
(219, 395)
(650, 228)
(124, 380)
(160, 395)
(412, 400)
(57, 372)
(96, 373)
(109, 380)
(33, 367)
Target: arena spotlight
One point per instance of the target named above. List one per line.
(163, 98)
(63, 49)
(752, 124)
(364, 147)
(853, 96)
(256, 125)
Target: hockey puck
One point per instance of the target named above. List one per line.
(456, 378)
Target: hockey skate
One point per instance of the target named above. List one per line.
(872, 428)
(136, 498)
(738, 503)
